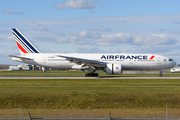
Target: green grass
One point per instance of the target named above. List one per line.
(60, 73)
(38, 73)
(90, 101)
(90, 94)
(91, 82)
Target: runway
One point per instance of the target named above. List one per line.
(106, 77)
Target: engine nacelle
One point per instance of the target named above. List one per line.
(113, 69)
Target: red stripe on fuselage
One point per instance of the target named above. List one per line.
(152, 57)
(21, 48)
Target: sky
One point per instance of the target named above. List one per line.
(92, 26)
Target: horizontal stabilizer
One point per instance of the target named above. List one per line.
(20, 57)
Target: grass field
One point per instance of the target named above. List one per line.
(88, 94)
(60, 73)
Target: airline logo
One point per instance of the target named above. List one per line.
(23, 43)
(124, 57)
(151, 57)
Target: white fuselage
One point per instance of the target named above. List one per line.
(127, 61)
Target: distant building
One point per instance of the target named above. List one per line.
(20, 67)
(27, 67)
(4, 67)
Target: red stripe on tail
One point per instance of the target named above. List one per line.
(21, 48)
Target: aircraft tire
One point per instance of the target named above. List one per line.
(160, 75)
(96, 74)
(91, 74)
(87, 75)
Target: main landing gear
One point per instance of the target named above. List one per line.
(91, 74)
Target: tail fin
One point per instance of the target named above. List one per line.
(24, 45)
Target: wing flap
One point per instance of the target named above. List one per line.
(81, 61)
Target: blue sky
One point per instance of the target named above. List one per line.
(92, 26)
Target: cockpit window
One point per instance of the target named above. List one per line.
(170, 59)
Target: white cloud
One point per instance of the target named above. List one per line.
(84, 38)
(60, 40)
(78, 40)
(42, 28)
(9, 38)
(86, 49)
(83, 34)
(12, 12)
(116, 39)
(51, 39)
(107, 29)
(93, 35)
(157, 49)
(111, 39)
(103, 29)
(123, 50)
(94, 38)
(155, 39)
(80, 4)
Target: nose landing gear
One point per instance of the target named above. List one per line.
(161, 73)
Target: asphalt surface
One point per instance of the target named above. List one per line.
(112, 77)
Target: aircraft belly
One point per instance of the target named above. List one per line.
(65, 65)
(60, 65)
(141, 65)
(131, 65)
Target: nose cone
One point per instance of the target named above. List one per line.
(173, 63)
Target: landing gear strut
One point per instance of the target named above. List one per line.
(160, 74)
(91, 74)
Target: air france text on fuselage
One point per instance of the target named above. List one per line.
(124, 57)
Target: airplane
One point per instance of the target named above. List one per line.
(109, 63)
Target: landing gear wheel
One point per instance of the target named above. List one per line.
(96, 74)
(160, 74)
(91, 74)
(87, 75)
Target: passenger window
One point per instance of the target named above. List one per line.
(164, 60)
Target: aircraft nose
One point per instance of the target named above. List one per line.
(174, 63)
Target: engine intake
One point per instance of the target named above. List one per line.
(113, 69)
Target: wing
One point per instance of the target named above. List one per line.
(81, 61)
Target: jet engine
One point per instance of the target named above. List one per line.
(113, 69)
